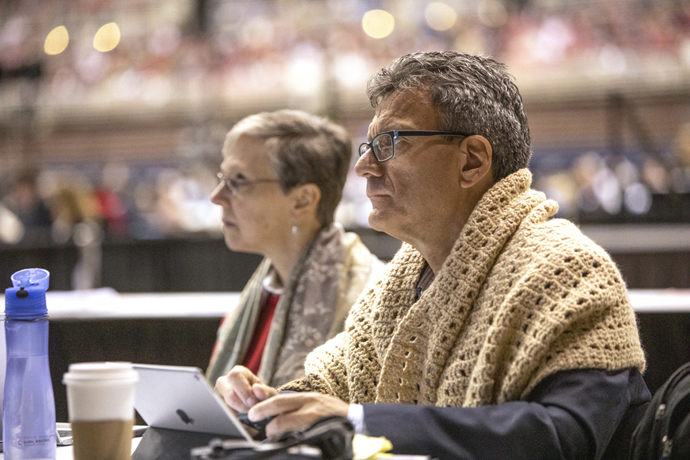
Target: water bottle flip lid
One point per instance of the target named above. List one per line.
(27, 299)
(31, 277)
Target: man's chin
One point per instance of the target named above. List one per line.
(379, 221)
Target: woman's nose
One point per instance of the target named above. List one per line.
(218, 196)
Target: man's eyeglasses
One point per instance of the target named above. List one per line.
(234, 185)
(383, 144)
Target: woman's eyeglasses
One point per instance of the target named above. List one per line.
(235, 185)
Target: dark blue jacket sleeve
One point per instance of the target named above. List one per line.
(569, 415)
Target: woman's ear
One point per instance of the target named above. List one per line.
(475, 165)
(305, 199)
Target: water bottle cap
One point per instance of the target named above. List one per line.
(31, 277)
(27, 299)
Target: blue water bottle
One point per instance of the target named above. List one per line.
(28, 409)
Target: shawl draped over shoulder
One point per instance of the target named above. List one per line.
(521, 296)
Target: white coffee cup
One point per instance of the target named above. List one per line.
(100, 404)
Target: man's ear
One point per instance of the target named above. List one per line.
(475, 165)
(305, 199)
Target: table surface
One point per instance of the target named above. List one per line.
(105, 303)
(65, 452)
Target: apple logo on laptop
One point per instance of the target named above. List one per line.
(184, 417)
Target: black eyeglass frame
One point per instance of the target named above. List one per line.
(233, 185)
(394, 136)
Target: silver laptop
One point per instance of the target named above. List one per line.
(180, 398)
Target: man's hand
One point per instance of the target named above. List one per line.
(296, 411)
(241, 389)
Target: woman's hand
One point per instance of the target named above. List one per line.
(296, 411)
(241, 389)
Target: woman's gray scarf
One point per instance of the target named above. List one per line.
(310, 310)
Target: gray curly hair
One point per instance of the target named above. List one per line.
(474, 94)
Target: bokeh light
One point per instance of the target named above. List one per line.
(440, 16)
(638, 199)
(492, 13)
(107, 37)
(378, 23)
(56, 41)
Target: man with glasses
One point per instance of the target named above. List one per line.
(496, 331)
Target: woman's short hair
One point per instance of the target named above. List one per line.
(303, 149)
(473, 94)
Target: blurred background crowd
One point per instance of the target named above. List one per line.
(115, 131)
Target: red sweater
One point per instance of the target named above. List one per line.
(256, 347)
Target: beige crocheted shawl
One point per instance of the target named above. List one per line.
(521, 296)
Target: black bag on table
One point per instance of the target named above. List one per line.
(330, 436)
(664, 431)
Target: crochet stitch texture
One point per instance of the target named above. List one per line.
(521, 296)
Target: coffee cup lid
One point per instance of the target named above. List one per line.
(109, 370)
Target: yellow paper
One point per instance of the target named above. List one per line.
(366, 447)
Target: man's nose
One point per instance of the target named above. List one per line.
(367, 165)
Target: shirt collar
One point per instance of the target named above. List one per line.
(425, 279)
(271, 282)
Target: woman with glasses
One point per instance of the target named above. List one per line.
(281, 179)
